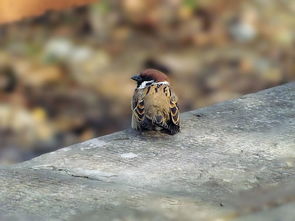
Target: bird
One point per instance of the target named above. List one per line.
(154, 103)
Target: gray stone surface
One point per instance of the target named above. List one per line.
(197, 174)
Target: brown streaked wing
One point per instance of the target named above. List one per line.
(138, 105)
(174, 110)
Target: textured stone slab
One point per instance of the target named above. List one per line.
(223, 149)
(285, 212)
(47, 195)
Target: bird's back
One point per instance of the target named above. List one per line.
(154, 104)
(157, 100)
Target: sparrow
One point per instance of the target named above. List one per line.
(154, 103)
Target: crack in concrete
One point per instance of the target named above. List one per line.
(94, 176)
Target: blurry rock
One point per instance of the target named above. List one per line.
(262, 64)
(28, 127)
(206, 17)
(150, 16)
(243, 27)
(121, 34)
(11, 155)
(5, 116)
(201, 39)
(135, 10)
(246, 65)
(4, 58)
(43, 128)
(103, 20)
(116, 88)
(246, 84)
(272, 76)
(283, 36)
(88, 72)
(8, 80)
(86, 135)
(188, 30)
(58, 48)
(37, 75)
(61, 49)
(81, 54)
(242, 31)
(183, 62)
(185, 13)
(133, 6)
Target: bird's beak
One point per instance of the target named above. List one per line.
(136, 78)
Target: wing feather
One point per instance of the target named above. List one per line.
(154, 97)
(137, 107)
(174, 109)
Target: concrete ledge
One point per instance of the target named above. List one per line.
(222, 150)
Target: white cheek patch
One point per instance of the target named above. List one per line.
(149, 83)
(163, 82)
(145, 84)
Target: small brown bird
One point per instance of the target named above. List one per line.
(154, 104)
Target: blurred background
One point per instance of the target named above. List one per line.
(65, 76)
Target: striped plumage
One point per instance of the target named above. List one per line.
(154, 104)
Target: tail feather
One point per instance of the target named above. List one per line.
(173, 129)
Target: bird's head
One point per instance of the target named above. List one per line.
(149, 76)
